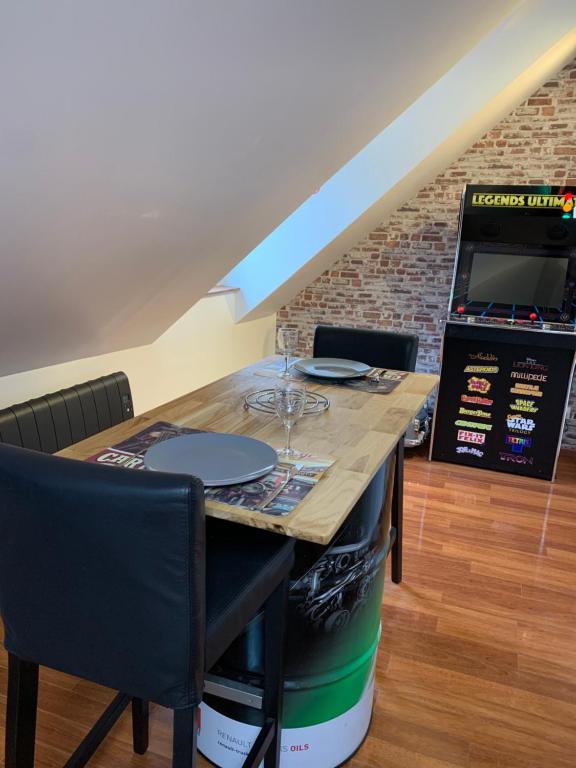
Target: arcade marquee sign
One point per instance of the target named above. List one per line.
(563, 202)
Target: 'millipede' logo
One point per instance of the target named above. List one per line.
(464, 436)
(529, 376)
(478, 385)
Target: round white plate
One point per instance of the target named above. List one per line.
(216, 458)
(332, 368)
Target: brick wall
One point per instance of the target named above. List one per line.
(399, 276)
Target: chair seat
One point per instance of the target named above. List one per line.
(242, 566)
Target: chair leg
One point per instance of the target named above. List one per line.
(21, 712)
(140, 711)
(398, 512)
(274, 641)
(185, 734)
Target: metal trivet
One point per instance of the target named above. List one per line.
(263, 401)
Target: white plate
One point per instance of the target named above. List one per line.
(332, 368)
(216, 458)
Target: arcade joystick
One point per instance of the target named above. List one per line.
(461, 309)
(533, 316)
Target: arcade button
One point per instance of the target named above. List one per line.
(533, 316)
(461, 309)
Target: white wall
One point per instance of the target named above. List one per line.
(204, 345)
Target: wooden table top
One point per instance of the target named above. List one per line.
(359, 431)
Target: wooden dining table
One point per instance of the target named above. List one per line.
(358, 431)
(344, 528)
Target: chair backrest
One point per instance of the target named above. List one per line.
(102, 573)
(381, 349)
(57, 420)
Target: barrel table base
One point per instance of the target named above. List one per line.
(333, 632)
(226, 742)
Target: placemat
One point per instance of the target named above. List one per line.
(381, 381)
(278, 493)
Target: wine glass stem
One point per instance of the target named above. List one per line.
(286, 357)
(288, 429)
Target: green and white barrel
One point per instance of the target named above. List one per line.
(333, 634)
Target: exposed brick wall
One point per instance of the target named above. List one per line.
(399, 276)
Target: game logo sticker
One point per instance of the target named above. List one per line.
(478, 385)
(475, 400)
(496, 200)
(473, 424)
(481, 369)
(530, 364)
(515, 458)
(485, 357)
(471, 437)
(525, 376)
(475, 412)
(518, 423)
(528, 390)
(469, 450)
(517, 444)
(524, 405)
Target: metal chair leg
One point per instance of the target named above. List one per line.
(185, 735)
(21, 713)
(398, 512)
(274, 642)
(140, 729)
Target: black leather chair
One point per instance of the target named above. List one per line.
(55, 421)
(105, 574)
(380, 349)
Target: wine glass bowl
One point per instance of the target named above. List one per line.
(289, 402)
(287, 339)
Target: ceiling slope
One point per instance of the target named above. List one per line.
(503, 69)
(146, 146)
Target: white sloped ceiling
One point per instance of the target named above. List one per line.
(147, 146)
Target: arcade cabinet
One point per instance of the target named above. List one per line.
(509, 345)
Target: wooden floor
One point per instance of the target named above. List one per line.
(477, 666)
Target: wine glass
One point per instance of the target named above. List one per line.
(287, 344)
(289, 401)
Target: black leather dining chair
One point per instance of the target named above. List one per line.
(59, 419)
(380, 349)
(105, 574)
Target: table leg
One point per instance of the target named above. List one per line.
(398, 512)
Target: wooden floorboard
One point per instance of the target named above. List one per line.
(477, 667)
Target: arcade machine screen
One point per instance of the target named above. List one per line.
(506, 284)
(525, 282)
